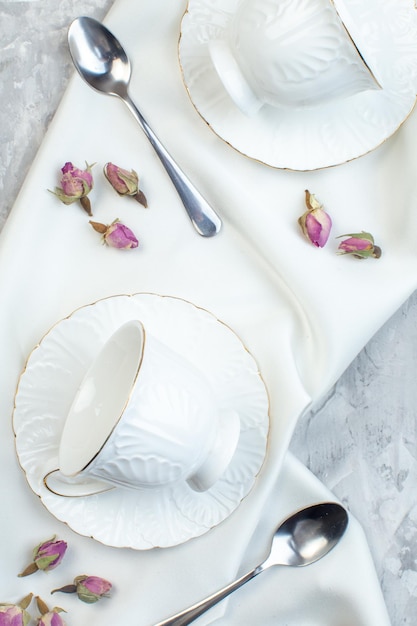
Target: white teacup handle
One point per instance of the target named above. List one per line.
(221, 453)
(74, 486)
(233, 79)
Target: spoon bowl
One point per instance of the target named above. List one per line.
(99, 57)
(102, 62)
(302, 539)
(307, 535)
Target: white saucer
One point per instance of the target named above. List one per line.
(316, 137)
(125, 517)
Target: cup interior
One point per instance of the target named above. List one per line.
(101, 398)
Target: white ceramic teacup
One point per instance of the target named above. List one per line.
(290, 53)
(142, 417)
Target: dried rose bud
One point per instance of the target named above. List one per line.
(49, 617)
(315, 222)
(15, 614)
(52, 618)
(124, 182)
(76, 184)
(116, 235)
(88, 588)
(361, 245)
(92, 588)
(46, 556)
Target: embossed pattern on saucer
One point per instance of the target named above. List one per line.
(126, 517)
(315, 137)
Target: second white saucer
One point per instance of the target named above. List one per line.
(314, 137)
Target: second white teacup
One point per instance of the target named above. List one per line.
(143, 417)
(288, 53)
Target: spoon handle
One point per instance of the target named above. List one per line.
(203, 217)
(189, 615)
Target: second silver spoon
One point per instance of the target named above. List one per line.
(303, 538)
(104, 65)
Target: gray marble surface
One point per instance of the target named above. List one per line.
(361, 441)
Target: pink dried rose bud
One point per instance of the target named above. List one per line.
(52, 618)
(15, 614)
(361, 245)
(46, 556)
(89, 589)
(124, 182)
(76, 184)
(315, 223)
(116, 235)
(49, 617)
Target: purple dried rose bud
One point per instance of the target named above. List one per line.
(124, 182)
(361, 245)
(12, 614)
(52, 618)
(315, 223)
(49, 554)
(46, 556)
(15, 614)
(76, 184)
(49, 617)
(89, 589)
(116, 235)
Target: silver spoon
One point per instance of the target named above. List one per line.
(104, 65)
(302, 539)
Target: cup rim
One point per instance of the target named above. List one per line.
(341, 14)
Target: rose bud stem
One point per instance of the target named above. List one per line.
(86, 204)
(65, 589)
(26, 601)
(30, 569)
(42, 606)
(141, 198)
